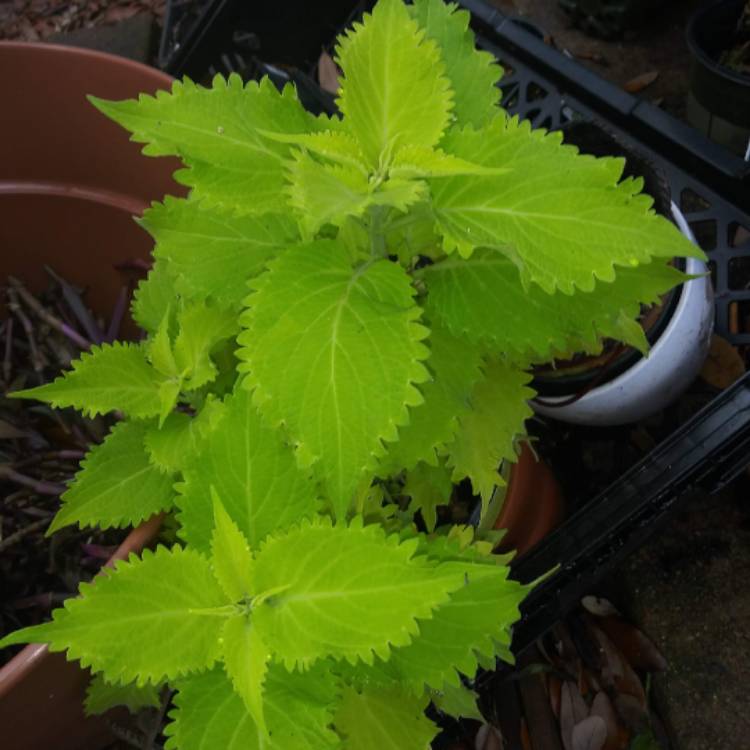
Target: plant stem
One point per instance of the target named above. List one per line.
(377, 238)
(38, 485)
(47, 316)
(16, 537)
(37, 360)
(153, 733)
(117, 315)
(78, 308)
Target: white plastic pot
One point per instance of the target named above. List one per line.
(659, 378)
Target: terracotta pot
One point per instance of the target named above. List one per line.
(70, 181)
(533, 504)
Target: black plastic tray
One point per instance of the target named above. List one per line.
(711, 186)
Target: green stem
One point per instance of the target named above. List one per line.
(228, 610)
(377, 236)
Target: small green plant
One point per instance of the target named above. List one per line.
(340, 316)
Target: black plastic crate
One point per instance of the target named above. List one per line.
(712, 188)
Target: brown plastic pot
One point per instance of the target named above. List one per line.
(70, 183)
(533, 504)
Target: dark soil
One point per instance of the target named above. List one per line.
(40, 450)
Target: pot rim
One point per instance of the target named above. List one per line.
(92, 55)
(701, 55)
(27, 659)
(675, 304)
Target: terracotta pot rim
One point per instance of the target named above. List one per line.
(26, 660)
(95, 56)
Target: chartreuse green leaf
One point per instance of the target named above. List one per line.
(454, 366)
(154, 297)
(173, 445)
(211, 252)
(251, 470)
(335, 146)
(482, 299)
(202, 327)
(102, 695)
(487, 432)
(159, 348)
(413, 235)
(152, 619)
(344, 591)
(246, 662)
(474, 624)
(474, 75)
(232, 560)
(383, 718)
(332, 193)
(326, 194)
(428, 486)
(457, 701)
(215, 131)
(333, 353)
(117, 485)
(559, 215)
(211, 714)
(393, 92)
(417, 161)
(109, 377)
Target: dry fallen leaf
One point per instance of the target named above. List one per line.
(116, 13)
(589, 734)
(525, 736)
(328, 74)
(632, 712)
(618, 738)
(599, 606)
(634, 85)
(723, 365)
(634, 645)
(489, 738)
(573, 710)
(554, 691)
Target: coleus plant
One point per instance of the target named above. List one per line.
(341, 315)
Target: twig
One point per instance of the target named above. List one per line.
(47, 316)
(7, 367)
(38, 485)
(37, 361)
(117, 314)
(16, 537)
(153, 733)
(123, 734)
(79, 309)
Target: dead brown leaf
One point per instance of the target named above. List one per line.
(573, 710)
(723, 365)
(633, 713)
(599, 606)
(634, 645)
(116, 14)
(489, 738)
(27, 32)
(328, 74)
(525, 736)
(618, 738)
(589, 734)
(634, 85)
(554, 691)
